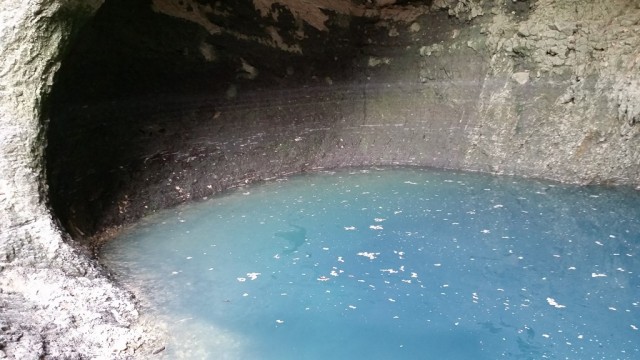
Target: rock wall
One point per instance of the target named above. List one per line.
(227, 94)
(54, 301)
(159, 102)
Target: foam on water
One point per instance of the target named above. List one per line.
(393, 264)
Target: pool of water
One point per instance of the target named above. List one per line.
(393, 264)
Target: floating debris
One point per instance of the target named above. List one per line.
(554, 303)
(369, 255)
(253, 275)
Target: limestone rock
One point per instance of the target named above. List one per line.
(457, 102)
(521, 77)
(40, 272)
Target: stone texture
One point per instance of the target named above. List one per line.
(573, 122)
(523, 88)
(54, 301)
(156, 104)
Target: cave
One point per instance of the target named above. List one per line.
(115, 110)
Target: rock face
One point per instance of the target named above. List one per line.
(208, 95)
(111, 111)
(54, 301)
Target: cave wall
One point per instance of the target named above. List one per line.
(187, 98)
(110, 112)
(55, 302)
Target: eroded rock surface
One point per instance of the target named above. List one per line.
(234, 93)
(55, 303)
(164, 101)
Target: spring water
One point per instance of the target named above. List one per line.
(392, 264)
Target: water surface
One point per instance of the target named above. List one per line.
(393, 264)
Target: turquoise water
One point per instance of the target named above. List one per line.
(393, 264)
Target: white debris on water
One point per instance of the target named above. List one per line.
(554, 303)
(474, 297)
(390, 271)
(369, 255)
(253, 275)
